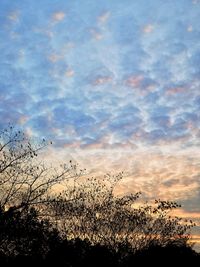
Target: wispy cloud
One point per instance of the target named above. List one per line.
(14, 15)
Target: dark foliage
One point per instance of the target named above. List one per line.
(25, 240)
(23, 235)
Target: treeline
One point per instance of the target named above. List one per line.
(28, 241)
(84, 225)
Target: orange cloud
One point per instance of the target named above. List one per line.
(23, 119)
(54, 58)
(134, 81)
(94, 146)
(72, 145)
(187, 215)
(165, 176)
(151, 88)
(58, 16)
(175, 90)
(110, 146)
(102, 80)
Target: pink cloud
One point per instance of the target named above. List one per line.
(134, 80)
(175, 90)
(148, 28)
(58, 16)
(102, 80)
(69, 72)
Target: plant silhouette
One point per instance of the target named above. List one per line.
(85, 225)
(24, 181)
(90, 210)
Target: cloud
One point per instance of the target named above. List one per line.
(14, 15)
(96, 34)
(102, 80)
(148, 28)
(190, 28)
(161, 121)
(175, 90)
(64, 115)
(195, 2)
(69, 72)
(134, 81)
(54, 58)
(23, 119)
(103, 18)
(58, 16)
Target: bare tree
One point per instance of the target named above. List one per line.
(24, 180)
(90, 210)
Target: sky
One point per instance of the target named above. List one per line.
(114, 84)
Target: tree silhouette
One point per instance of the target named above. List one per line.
(23, 234)
(90, 210)
(85, 225)
(24, 181)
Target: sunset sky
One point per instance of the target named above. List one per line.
(115, 84)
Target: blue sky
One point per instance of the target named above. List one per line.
(125, 68)
(115, 82)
